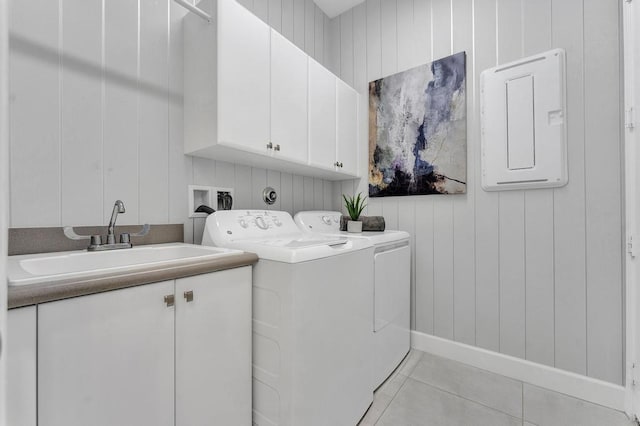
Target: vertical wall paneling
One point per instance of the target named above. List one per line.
(535, 274)
(422, 30)
(443, 269)
(286, 192)
(373, 32)
(346, 47)
(121, 109)
(327, 195)
(258, 184)
(318, 194)
(538, 217)
(299, 20)
(180, 165)
(298, 194)
(275, 15)
(361, 84)
(407, 35)
(288, 19)
(319, 39)
(332, 45)
(273, 180)
(389, 37)
(512, 240)
(307, 189)
(261, 9)
(243, 188)
(604, 244)
(569, 201)
(34, 92)
(225, 175)
(309, 28)
(464, 291)
(204, 171)
(486, 209)
(424, 266)
(441, 33)
(153, 112)
(81, 118)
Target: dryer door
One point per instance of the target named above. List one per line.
(392, 288)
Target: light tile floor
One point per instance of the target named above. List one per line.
(427, 390)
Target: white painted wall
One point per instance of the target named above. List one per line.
(533, 274)
(96, 114)
(4, 201)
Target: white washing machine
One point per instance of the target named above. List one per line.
(391, 287)
(311, 318)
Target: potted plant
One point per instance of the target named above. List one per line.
(355, 206)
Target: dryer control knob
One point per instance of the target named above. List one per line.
(277, 222)
(260, 223)
(243, 223)
(326, 220)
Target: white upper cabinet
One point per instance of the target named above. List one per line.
(322, 116)
(252, 97)
(347, 128)
(243, 77)
(289, 111)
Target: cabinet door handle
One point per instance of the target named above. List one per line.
(188, 295)
(169, 300)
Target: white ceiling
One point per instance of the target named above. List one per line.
(334, 8)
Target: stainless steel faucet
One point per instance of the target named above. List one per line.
(111, 244)
(118, 207)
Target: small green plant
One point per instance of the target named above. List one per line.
(355, 205)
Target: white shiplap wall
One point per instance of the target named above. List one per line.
(96, 114)
(534, 274)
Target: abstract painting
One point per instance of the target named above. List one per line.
(418, 130)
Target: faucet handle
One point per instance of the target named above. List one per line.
(144, 231)
(71, 234)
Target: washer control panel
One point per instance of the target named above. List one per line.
(319, 221)
(242, 224)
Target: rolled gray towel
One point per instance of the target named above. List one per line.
(369, 223)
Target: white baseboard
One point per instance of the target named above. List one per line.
(572, 384)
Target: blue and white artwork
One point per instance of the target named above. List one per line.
(418, 130)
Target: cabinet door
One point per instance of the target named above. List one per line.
(107, 359)
(322, 116)
(213, 349)
(289, 111)
(347, 128)
(21, 366)
(243, 78)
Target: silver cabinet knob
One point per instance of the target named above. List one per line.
(277, 148)
(169, 300)
(270, 145)
(188, 295)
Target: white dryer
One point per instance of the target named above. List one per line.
(311, 330)
(391, 287)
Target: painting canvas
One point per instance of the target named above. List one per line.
(418, 130)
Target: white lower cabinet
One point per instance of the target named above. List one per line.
(21, 366)
(171, 353)
(213, 349)
(107, 359)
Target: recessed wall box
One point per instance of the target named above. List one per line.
(523, 123)
(199, 195)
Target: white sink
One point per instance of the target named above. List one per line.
(47, 267)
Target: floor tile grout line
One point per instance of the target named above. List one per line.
(462, 397)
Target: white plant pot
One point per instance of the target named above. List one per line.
(354, 226)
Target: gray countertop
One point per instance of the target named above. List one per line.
(32, 294)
